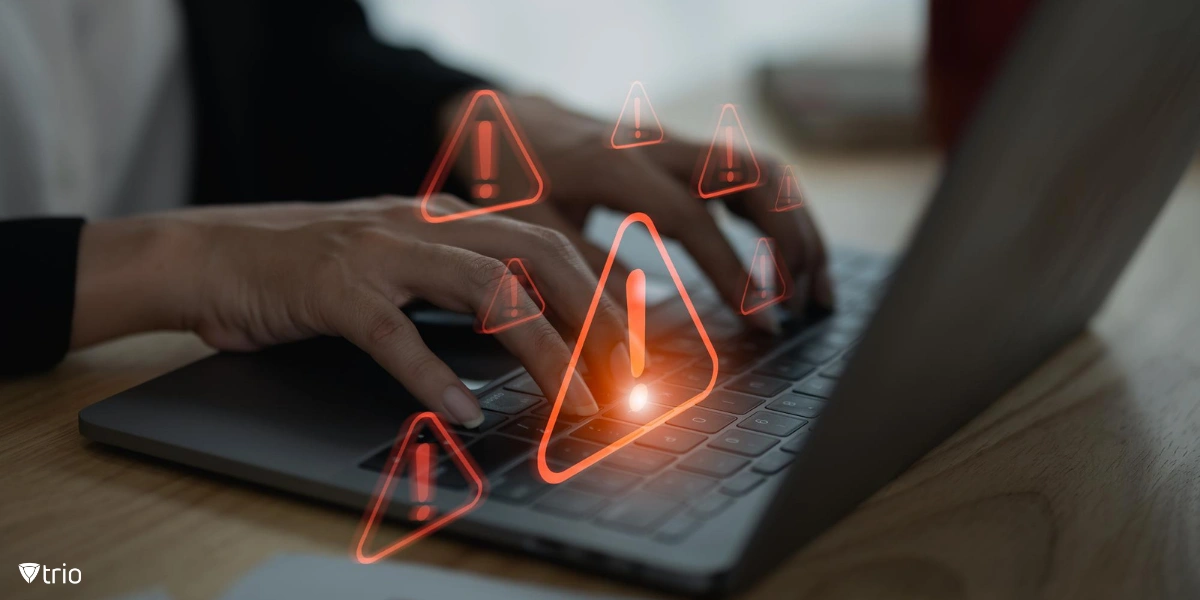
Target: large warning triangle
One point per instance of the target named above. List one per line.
(730, 165)
(638, 124)
(423, 438)
(507, 308)
(556, 462)
(767, 284)
(789, 196)
(485, 145)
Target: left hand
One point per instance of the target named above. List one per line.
(585, 171)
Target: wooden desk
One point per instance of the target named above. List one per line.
(1083, 482)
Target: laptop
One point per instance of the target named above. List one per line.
(1080, 140)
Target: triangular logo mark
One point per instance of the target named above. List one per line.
(412, 450)
(638, 124)
(486, 143)
(767, 284)
(552, 473)
(507, 308)
(730, 165)
(789, 196)
(29, 571)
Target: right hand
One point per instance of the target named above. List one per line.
(249, 277)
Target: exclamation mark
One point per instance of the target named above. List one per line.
(485, 156)
(637, 118)
(512, 296)
(635, 294)
(787, 189)
(763, 279)
(729, 152)
(422, 491)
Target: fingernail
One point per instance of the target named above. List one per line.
(462, 408)
(823, 292)
(619, 363)
(766, 320)
(579, 399)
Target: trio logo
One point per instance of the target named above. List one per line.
(29, 571)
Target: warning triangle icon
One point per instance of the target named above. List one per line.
(557, 463)
(487, 149)
(730, 165)
(638, 124)
(413, 463)
(508, 307)
(767, 284)
(789, 196)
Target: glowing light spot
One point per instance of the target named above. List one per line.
(637, 397)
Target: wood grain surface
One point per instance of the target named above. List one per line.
(1083, 482)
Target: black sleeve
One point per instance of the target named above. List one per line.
(37, 265)
(303, 102)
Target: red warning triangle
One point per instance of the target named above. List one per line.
(638, 124)
(730, 165)
(485, 145)
(558, 471)
(767, 284)
(507, 308)
(422, 429)
(789, 196)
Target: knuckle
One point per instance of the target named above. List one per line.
(554, 243)
(546, 341)
(385, 328)
(484, 272)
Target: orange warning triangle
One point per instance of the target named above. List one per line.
(485, 145)
(421, 428)
(767, 284)
(507, 308)
(730, 165)
(559, 471)
(789, 196)
(638, 124)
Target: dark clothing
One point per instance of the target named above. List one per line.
(291, 102)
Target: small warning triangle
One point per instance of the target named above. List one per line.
(638, 124)
(507, 308)
(422, 429)
(730, 165)
(669, 405)
(767, 284)
(485, 144)
(789, 197)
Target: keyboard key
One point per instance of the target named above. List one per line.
(508, 402)
(605, 482)
(815, 353)
(695, 378)
(710, 505)
(795, 444)
(742, 483)
(543, 411)
(773, 463)
(797, 405)
(638, 513)
(670, 395)
(649, 412)
(758, 385)
(678, 484)
(699, 419)
(603, 431)
(638, 460)
(520, 485)
(742, 442)
(785, 367)
(738, 404)
(838, 339)
(567, 502)
(670, 439)
(677, 529)
(712, 463)
(495, 451)
(729, 362)
(525, 385)
(835, 369)
(532, 428)
(772, 423)
(682, 346)
(821, 387)
(571, 451)
(490, 420)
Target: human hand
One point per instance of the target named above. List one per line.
(584, 171)
(248, 277)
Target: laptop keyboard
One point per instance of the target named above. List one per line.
(769, 395)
